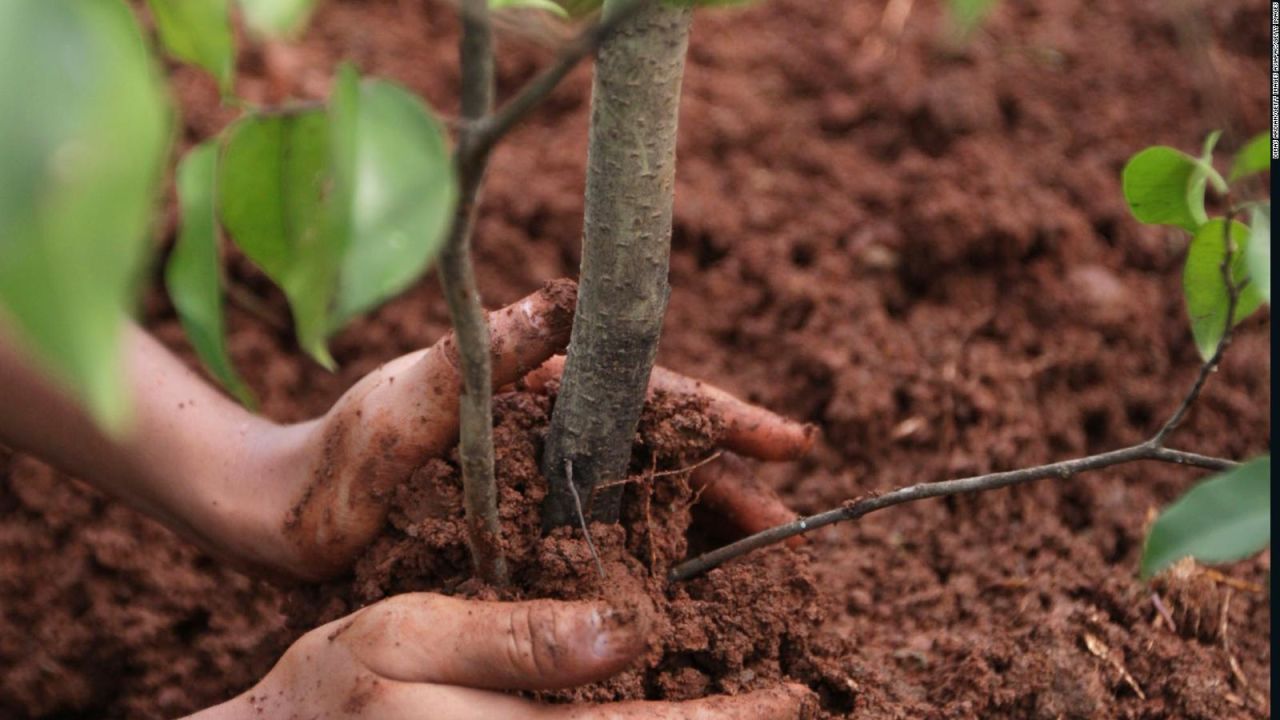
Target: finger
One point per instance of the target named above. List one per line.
(424, 395)
(415, 701)
(749, 429)
(788, 702)
(536, 380)
(730, 489)
(535, 645)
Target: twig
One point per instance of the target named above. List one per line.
(657, 474)
(1163, 611)
(489, 130)
(471, 328)
(1233, 296)
(688, 468)
(856, 509)
(1152, 449)
(582, 519)
(1241, 585)
(1102, 651)
(1224, 631)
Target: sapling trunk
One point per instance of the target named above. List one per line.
(623, 286)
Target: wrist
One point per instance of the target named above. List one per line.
(246, 502)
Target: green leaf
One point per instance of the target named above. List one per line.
(273, 187)
(402, 192)
(1224, 518)
(276, 18)
(1204, 288)
(1205, 170)
(547, 5)
(1254, 157)
(192, 275)
(342, 209)
(83, 135)
(344, 128)
(1258, 252)
(1164, 186)
(198, 32)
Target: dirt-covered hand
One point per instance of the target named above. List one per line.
(391, 422)
(429, 656)
(406, 412)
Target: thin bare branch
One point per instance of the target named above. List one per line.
(471, 327)
(1152, 449)
(979, 483)
(492, 128)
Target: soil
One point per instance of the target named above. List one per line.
(917, 245)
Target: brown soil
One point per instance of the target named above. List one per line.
(732, 631)
(922, 249)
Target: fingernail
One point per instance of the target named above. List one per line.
(615, 633)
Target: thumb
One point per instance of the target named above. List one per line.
(533, 645)
(420, 391)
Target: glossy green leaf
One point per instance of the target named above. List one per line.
(198, 32)
(192, 275)
(276, 18)
(344, 127)
(1254, 157)
(1224, 518)
(402, 193)
(1164, 186)
(546, 5)
(1258, 251)
(343, 209)
(84, 130)
(273, 188)
(1205, 289)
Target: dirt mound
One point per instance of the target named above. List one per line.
(733, 631)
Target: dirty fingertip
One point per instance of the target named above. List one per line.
(618, 632)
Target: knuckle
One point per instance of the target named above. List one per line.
(389, 617)
(533, 646)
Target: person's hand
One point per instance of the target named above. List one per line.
(429, 656)
(406, 412)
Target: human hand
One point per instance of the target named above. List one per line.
(406, 412)
(423, 655)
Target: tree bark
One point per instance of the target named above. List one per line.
(470, 325)
(623, 286)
